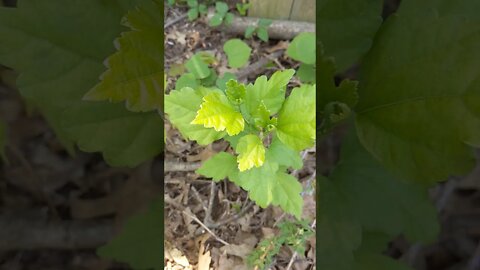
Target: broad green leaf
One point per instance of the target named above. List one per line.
(238, 52)
(267, 185)
(141, 241)
(271, 92)
(217, 112)
(197, 67)
(251, 152)
(296, 119)
(192, 3)
(74, 62)
(221, 7)
(357, 21)
(365, 183)
(222, 81)
(262, 34)
(340, 232)
(229, 18)
(193, 13)
(211, 79)
(419, 109)
(302, 48)
(235, 91)
(187, 80)
(249, 31)
(139, 135)
(219, 167)
(135, 71)
(181, 106)
(306, 73)
(3, 140)
(283, 155)
(369, 261)
(216, 20)
(176, 70)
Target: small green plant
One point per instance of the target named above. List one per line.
(221, 15)
(261, 30)
(237, 51)
(265, 130)
(293, 234)
(242, 8)
(302, 49)
(196, 9)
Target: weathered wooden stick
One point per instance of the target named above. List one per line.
(279, 29)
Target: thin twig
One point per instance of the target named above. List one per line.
(258, 66)
(208, 213)
(176, 20)
(176, 166)
(206, 228)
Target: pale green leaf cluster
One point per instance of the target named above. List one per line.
(57, 66)
(135, 71)
(266, 130)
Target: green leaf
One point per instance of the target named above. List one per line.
(271, 92)
(262, 34)
(139, 135)
(261, 118)
(401, 202)
(211, 79)
(283, 155)
(251, 152)
(192, 14)
(74, 63)
(192, 3)
(141, 240)
(181, 106)
(235, 91)
(296, 119)
(222, 81)
(3, 140)
(358, 21)
(264, 23)
(221, 7)
(217, 112)
(219, 167)
(249, 31)
(368, 261)
(135, 71)
(229, 18)
(307, 73)
(237, 52)
(302, 48)
(266, 185)
(419, 111)
(198, 67)
(187, 80)
(216, 20)
(202, 8)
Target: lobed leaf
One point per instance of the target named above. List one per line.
(181, 106)
(302, 48)
(217, 112)
(296, 119)
(135, 71)
(219, 167)
(419, 109)
(251, 152)
(74, 63)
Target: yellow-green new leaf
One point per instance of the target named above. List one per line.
(217, 112)
(296, 120)
(251, 152)
(181, 106)
(135, 71)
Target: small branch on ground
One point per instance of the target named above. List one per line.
(178, 166)
(258, 66)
